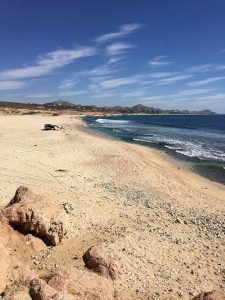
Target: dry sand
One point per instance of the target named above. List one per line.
(165, 223)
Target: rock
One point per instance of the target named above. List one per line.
(214, 295)
(12, 262)
(40, 290)
(96, 259)
(5, 267)
(87, 285)
(35, 243)
(30, 213)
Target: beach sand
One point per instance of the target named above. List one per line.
(162, 221)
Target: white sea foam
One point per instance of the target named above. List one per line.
(110, 121)
(187, 148)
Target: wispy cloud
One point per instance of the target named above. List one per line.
(205, 81)
(116, 82)
(102, 95)
(183, 94)
(123, 31)
(205, 68)
(116, 59)
(133, 94)
(161, 74)
(173, 79)
(72, 93)
(97, 71)
(40, 95)
(48, 63)
(12, 85)
(117, 49)
(160, 61)
(68, 83)
(212, 98)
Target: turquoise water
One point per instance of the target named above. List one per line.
(197, 140)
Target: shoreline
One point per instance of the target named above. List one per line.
(159, 221)
(168, 162)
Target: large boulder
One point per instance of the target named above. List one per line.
(28, 212)
(214, 295)
(96, 259)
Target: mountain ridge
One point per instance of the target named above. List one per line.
(136, 109)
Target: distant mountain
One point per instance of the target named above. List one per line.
(60, 103)
(136, 109)
(206, 112)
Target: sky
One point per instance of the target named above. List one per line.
(162, 53)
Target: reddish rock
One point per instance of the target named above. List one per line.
(15, 256)
(40, 290)
(96, 259)
(214, 295)
(86, 285)
(35, 243)
(30, 213)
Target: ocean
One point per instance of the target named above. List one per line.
(199, 141)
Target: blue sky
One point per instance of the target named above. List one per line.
(162, 53)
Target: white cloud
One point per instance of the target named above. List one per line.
(98, 71)
(179, 95)
(117, 48)
(205, 81)
(205, 68)
(161, 74)
(40, 95)
(160, 61)
(72, 93)
(124, 30)
(103, 95)
(49, 63)
(173, 79)
(68, 83)
(147, 82)
(113, 60)
(215, 97)
(192, 92)
(12, 85)
(133, 94)
(114, 83)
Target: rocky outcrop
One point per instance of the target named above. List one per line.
(214, 295)
(64, 285)
(96, 259)
(27, 214)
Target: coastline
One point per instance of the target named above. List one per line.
(169, 163)
(158, 219)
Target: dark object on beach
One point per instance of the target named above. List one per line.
(214, 295)
(52, 127)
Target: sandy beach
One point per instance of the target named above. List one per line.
(164, 223)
